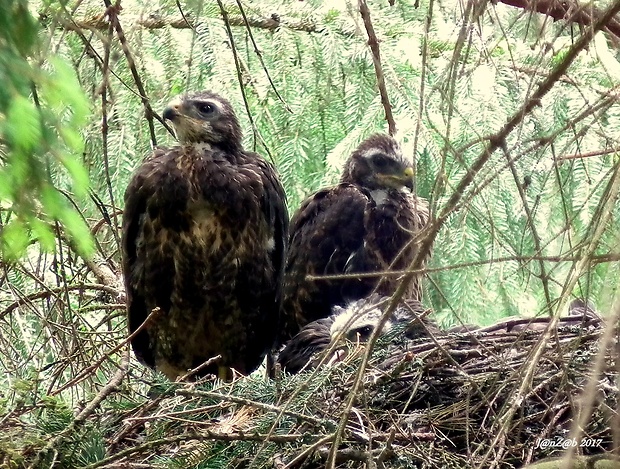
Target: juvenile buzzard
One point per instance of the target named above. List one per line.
(204, 239)
(365, 224)
(354, 322)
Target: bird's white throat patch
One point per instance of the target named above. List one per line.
(379, 196)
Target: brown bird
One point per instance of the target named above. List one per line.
(204, 240)
(354, 322)
(367, 223)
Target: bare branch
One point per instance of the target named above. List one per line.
(373, 43)
(112, 13)
(568, 10)
(158, 22)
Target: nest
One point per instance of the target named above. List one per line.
(486, 399)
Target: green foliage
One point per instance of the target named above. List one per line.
(63, 173)
(55, 416)
(41, 111)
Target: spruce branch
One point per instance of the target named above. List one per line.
(429, 234)
(72, 428)
(195, 436)
(154, 21)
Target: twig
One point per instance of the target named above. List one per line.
(589, 154)
(309, 450)
(595, 259)
(81, 376)
(259, 54)
(233, 47)
(203, 365)
(423, 71)
(205, 436)
(104, 127)
(112, 12)
(185, 19)
(258, 405)
(544, 278)
(376, 60)
(108, 389)
(352, 454)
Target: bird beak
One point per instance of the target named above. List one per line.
(173, 110)
(408, 177)
(171, 113)
(397, 181)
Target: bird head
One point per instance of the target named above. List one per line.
(204, 117)
(378, 163)
(359, 319)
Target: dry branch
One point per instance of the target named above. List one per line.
(54, 292)
(373, 43)
(567, 10)
(112, 13)
(158, 22)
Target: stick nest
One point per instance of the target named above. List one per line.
(450, 400)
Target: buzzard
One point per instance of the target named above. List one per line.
(204, 240)
(355, 322)
(366, 223)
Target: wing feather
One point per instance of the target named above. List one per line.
(325, 233)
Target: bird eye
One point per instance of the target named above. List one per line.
(364, 332)
(380, 161)
(206, 108)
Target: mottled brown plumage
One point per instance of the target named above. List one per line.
(355, 322)
(204, 237)
(367, 223)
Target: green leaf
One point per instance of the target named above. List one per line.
(78, 232)
(53, 203)
(23, 126)
(15, 239)
(78, 173)
(42, 232)
(65, 91)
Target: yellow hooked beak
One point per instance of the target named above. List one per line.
(398, 180)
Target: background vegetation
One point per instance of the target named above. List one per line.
(84, 81)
